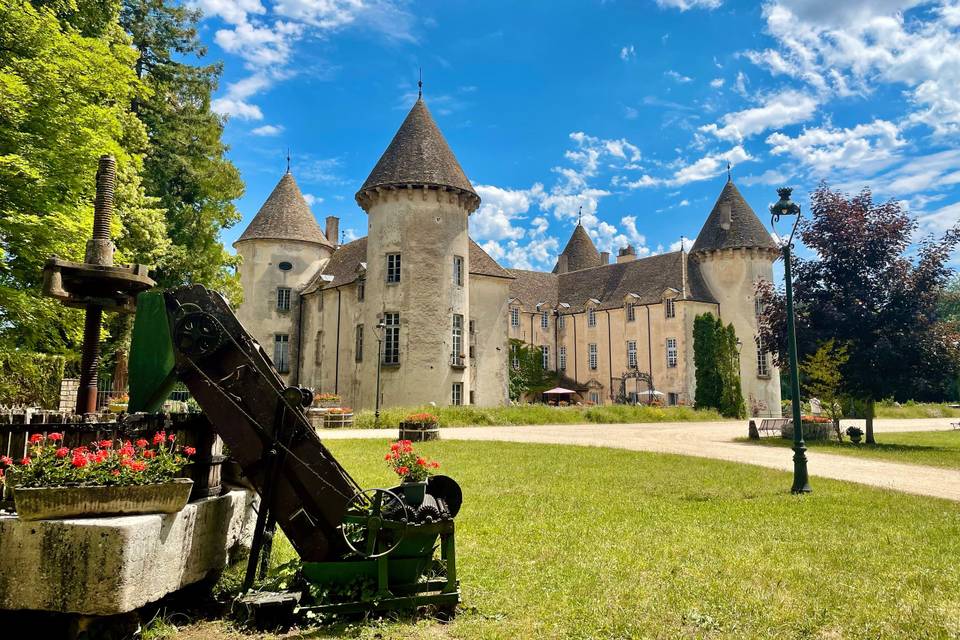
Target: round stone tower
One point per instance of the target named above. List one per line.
(418, 199)
(281, 249)
(733, 251)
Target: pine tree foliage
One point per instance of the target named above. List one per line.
(717, 363)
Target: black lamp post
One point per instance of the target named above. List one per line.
(378, 333)
(786, 207)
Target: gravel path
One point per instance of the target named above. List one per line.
(715, 440)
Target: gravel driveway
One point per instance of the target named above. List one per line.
(715, 440)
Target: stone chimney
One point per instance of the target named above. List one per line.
(333, 229)
(626, 254)
(562, 263)
(604, 257)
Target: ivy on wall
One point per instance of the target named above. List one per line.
(717, 364)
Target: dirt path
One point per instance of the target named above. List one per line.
(715, 440)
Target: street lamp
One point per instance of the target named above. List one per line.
(786, 207)
(378, 333)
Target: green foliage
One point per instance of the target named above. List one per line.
(184, 163)
(30, 379)
(527, 375)
(530, 414)
(717, 363)
(822, 378)
(65, 89)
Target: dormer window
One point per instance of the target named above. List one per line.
(631, 312)
(591, 317)
(544, 319)
(669, 308)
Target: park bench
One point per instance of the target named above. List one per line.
(772, 426)
(955, 425)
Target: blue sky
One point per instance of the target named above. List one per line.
(629, 109)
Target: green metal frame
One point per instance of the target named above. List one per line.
(399, 574)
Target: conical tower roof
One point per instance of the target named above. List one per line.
(419, 155)
(580, 251)
(742, 228)
(285, 216)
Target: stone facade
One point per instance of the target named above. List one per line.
(445, 315)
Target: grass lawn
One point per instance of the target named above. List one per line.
(575, 543)
(912, 409)
(934, 448)
(469, 416)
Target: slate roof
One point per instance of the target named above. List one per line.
(745, 230)
(610, 283)
(580, 251)
(285, 216)
(343, 265)
(418, 155)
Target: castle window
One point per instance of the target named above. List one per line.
(592, 356)
(631, 312)
(631, 354)
(758, 306)
(473, 326)
(281, 352)
(283, 298)
(763, 365)
(561, 321)
(669, 308)
(673, 399)
(591, 317)
(544, 319)
(562, 358)
(361, 289)
(391, 338)
(393, 268)
(458, 270)
(515, 357)
(457, 339)
(456, 398)
(672, 355)
(514, 317)
(594, 397)
(358, 349)
(545, 357)
(285, 266)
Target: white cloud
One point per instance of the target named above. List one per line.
(941, 220)
(311, 200)
(787, 107)
(630, 113)
(935, 171)
(706, 167)
(677, 77)
(684, 203)
(716, 83)
(499, 211)
(740, 85)
(260, 46)
(768, 177)
(268, 130)
(854, 46)
(319, 171)
(232, 11)
(628, 52)
(687, 244)
(864, 147)
(236, 108)
(684, 5)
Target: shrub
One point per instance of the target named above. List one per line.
(30, 378)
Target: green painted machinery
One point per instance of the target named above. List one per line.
(400, 542)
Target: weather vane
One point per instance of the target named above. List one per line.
(580, 216)
(729, 176)
(420, 85)
(288, 159)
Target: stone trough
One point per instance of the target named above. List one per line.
(108, 566)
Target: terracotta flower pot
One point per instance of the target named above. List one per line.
(45, 503)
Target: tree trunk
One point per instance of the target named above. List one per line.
(869, 429)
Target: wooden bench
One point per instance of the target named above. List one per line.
(772, 426)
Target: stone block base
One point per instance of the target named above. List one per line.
(107, 566)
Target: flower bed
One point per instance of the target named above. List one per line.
(48, 480)
(814, 428)
(338, 417)
(326, 400)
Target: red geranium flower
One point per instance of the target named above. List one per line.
(105, 444)
(421, 461)
(189, 451)
(115, 472)
(36, 438)
(149, 453)
(138, 466)
(55, 436)
(79, 462)
(171, 437)
(402, 471)
(387, 457)
(62, 452)
(435, 465)
(159, 437)
(142, 443)
(7, 460)
(25, 460)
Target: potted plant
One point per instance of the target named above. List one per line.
(338, 417)
(326, 400)
(106, 477)
(413, 469)
(855, 434)
(418, 427)
(118, 404)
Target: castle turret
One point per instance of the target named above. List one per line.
(281, 249)
(418, 200)
(734, 251)
(580, 253)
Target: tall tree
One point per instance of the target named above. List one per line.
(872, 289)
(66, 84)
(823, 380)
(184, 165)
(717, 364)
